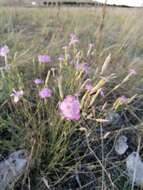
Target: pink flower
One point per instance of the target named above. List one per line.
(70, 108)
(101, 92)
(83, 67)
(132, 72)
(38, 81)
(17, 95)
(73, 39)
(45, 93)
(123, 99)
(90, 45)
(88, 86)
(61, 58)
(44, 59)
(4, 50)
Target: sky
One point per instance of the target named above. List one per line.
(124, 2)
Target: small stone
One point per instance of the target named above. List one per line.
(113, 118)
(134, 166)
(121, 145)
(12, 168)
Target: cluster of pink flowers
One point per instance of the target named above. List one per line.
(69, 107)
(43, 93)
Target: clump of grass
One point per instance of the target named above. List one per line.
(66, 153)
